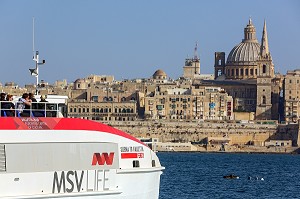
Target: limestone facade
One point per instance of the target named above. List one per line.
(196, 103)
(292, 96)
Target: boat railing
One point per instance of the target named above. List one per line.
(36, 109)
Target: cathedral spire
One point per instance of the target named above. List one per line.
(264, 48)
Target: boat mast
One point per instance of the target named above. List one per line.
(35, 71)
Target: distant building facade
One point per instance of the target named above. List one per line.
(198, 102)
(292, 96)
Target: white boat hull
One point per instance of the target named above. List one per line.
(121, 185)
(67, 158)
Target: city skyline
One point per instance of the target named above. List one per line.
(134, 39)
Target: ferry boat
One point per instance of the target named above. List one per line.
(51, 157)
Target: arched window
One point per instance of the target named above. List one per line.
(264, 69)
(263, 99)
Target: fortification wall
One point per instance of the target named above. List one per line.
(238, 133)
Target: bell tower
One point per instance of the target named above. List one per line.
(265, 69)
(219, 64)
(191, 69)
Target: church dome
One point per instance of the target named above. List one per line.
(246, 52)
(159, 74)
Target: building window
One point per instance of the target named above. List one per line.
(95, 98)
(246, 71)
(71, 110)
(251, 71)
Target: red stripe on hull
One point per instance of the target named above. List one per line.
(132, 155)
(128, 155)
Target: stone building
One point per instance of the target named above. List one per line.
(198, 102)
(90, 81)
(291, 96)
(106, 101)
(211, 103)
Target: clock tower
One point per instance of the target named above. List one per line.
(265, 74)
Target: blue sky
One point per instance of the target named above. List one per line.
(133, 38)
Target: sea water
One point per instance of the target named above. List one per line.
(200, 175)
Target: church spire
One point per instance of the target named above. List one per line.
(264, 48)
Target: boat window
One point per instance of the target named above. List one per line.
(153, 163)
(135, 163)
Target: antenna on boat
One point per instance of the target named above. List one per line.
(35, 71)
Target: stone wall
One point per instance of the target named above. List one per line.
(239, 134)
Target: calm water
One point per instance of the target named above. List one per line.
(200, 175)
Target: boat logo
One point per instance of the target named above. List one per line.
(103, 158)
